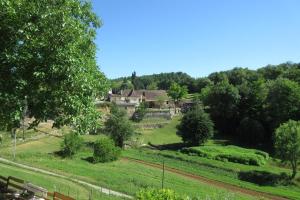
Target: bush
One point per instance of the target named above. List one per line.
(157, 194)
(71, 144)
(105, 151)
(265, 178)
(229, 153)
(195, 127)
(140, 113)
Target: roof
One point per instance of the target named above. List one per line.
(149, 95)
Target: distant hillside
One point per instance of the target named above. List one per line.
(235, 76)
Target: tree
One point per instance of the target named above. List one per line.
(126, 85)
(283, 102)
(222, 101)
(118, 127)
(177, 92)
(47, 56)
(287, 144)
(152, 86)
(195, 127)
(161, 100)
(105, 150)
(251, 131)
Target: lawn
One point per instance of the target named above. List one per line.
(164, 135)
(53, 183)
(129, 177)
(122, 175)
(234, 173)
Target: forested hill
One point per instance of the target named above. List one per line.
(156, 81)
(247, 105)
(235, 76)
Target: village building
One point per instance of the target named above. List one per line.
(130, 99)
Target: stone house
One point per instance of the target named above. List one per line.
(133, 98)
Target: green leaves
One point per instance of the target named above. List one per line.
(195, 127)
(287, 143)
(177, 92)
(47, 53)
(118, 127)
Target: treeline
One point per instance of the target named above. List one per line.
(247, 105)
(161, 81)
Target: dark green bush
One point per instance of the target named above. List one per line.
(195, 127)
(105, 151)
(71, 144)
(265, 178)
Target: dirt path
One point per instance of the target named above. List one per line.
(202, 179)
(101, 189)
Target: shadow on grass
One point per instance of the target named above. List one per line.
(173, 146)
(89, 159)
(264, 178)
(60, 153)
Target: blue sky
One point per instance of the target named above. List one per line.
(195, 36)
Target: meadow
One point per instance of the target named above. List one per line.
(164, 146)
(122, 175)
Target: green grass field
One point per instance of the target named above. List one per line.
(164, 135)
(122, 175)
(228, 172)
(129, 177)
(53, 183)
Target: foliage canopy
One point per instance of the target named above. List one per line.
(287, 143)
(47, 62)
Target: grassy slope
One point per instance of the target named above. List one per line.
(222, 171)
(121, 175)
(163, 135)
(53, 183)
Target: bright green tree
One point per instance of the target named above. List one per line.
(287, 144)
(118, 126)
(47, 61)
(177, 92)
(105, 150)
(158, 194)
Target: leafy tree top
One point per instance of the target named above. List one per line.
(47, 58)
(177, 92)
(287, 143)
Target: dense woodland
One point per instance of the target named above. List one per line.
(246, 105)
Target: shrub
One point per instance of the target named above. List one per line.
(71, 144)
(157, 194)
(105, 151)
(140, 113)
(265, 178)
(195, 127)
(229, 153)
